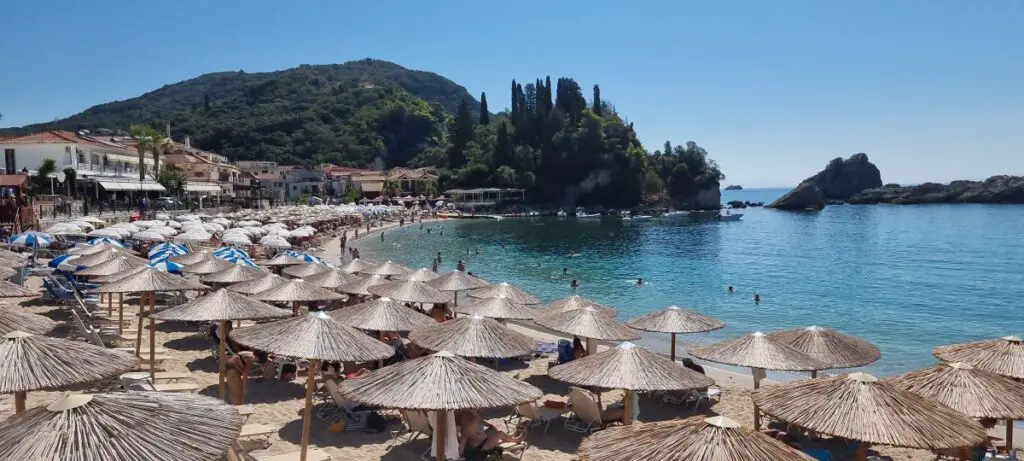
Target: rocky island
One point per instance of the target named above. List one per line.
(997, 189)
(839, 181)
(734, 187)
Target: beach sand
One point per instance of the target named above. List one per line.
(279, 403)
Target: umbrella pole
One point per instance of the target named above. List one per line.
(222, 355)
(591, 346)
(627, 407)
(757, 385)
(110, 304)
(314, 365)
(862, 451)
(441, 427)
(120, 314)
(19, 401)
(295, 308)
(138, 325)
(1009, 435)
(152, 338)
(814, 374)
(672, 354)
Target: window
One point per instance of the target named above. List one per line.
(199, 174)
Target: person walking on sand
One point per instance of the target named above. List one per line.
(237, 371)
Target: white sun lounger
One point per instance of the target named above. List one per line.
(311, 455)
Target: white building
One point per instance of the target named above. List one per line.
(110, 162)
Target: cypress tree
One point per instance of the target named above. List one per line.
(502, 147)
(515, 103)
(462, 134)
(485, 117)
(668, 148)
(597, 100)
(206, 101)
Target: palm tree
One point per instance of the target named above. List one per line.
(430, 189)
(149, 140)
(391, 189)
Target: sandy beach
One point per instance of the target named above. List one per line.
(279, 403)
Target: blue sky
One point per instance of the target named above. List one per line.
(930, 89)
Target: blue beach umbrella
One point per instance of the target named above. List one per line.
(226, 252)
(107, 240)
(305, 257)
(240, 260)
(174, 248)
(31, 239)
(56, 262)
(164, 253)
(166, 266)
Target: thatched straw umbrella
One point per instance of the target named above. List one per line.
(258, 285)
(296, 291)
(222, 306)
(573, 302)
(859, 407)
(209, 265)
(759, 352)
(331, 280)
(474, 336)
(361, 286)
(282, 260)
(6, 273)
(419, 275)
(588, 323)
(381, 314)
(456, 281)
(237, 273)
(103, 256)
(147, 283)
(118, 276)
(500, 308)
(122, 426)
(675, 320)
(316, 337)
(7, 254)
(504, 289)
(31, 363)
(117, 265)
(454, 383)
(11, 290)
(697, 438)
(92, 249)
(834, 349)
(12, 319)
(189, 258)
(1002, 356)
(387, 269)
(631, 368)
(357, 266)
(305, 270)
(409, 291)
(973, 392)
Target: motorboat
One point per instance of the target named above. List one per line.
(561, 213)
(582, 213)
(730, 216)
(676, 213)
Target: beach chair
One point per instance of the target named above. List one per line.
(565, 353)
(88, 332)
(311, 455)
(533, 415)
(342, 408)
(256, 434)
(586, 414)
(137, 381)
(416, 424)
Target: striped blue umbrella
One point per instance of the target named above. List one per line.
(56, 262)
(230, 251)
(240, 260)
(107, 240)
(166, 266)
(172, 247)
(305, 257)
(165, 251)
(31, 239)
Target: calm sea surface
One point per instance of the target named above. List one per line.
(903, 277)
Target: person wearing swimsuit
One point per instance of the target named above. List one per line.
(477, 441)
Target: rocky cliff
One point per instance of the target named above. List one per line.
(840, 180)
(997, 189)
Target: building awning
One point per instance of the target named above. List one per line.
(194, 187)
(112, 186)
(372, 186)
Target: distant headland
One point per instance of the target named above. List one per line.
(734, 187)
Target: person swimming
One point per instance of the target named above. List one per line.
(640, 282)
(565, 271)
(757, 298)
(730, 289)
(574, 283)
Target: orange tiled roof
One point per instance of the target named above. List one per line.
(64, 137)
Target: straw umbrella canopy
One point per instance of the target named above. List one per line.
(17, 320)
(296, 291)
(975, 393)
(357, 266)
(235, 274)
(258, 285)
(1002, 356)
(11, 290)
(474, 336)
(500, 308)
(317, 337)
(7, 254)
(122, 426)
(305, 270)
(409, 291)
(381, 314)
(574, 302)
(457, 281)
(859, 407)
(92, 249)
(190, 257)
(440, 382)
(331, 279)
(221, 306)
(675, 320)
(105, 255)
(506, 290)
(283, 259)
(361, 286)
(209, 265)
(6, 273)
(387, 269)
(631, 368)
(588, 323)
(148, 282)
(697, 438)
(119, 275)
(834, 349)
(30, 363)
(419, 275)
(113, 266)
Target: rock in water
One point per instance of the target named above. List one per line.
(840, 180)
(997, 189)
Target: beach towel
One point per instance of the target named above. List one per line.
(451, 446)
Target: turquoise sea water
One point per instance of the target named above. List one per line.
(906, 278)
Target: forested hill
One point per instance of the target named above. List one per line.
(305, 114)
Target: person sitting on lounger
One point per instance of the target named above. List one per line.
(477, 441)
(577, 348)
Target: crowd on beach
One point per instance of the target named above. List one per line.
(284, 297)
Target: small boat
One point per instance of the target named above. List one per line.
(562, 213)
(582, 213)
(676, 213)
(730, 217)
(643, 216)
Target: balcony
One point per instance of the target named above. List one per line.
(98, 169)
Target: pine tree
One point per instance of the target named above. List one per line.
(668, 148)
(502, 147)
(515, 103)
(597, 100)
(485, 117)
(462, 134)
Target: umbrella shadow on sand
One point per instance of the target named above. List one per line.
(205, 364)
(321, 437)
(171, 326)
(190, 343)
(268, 392)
